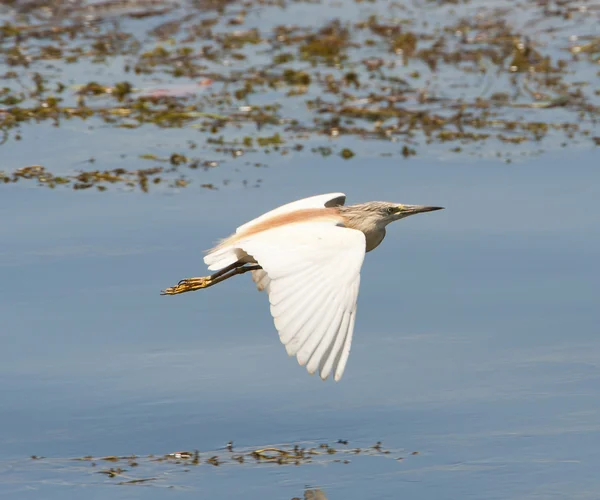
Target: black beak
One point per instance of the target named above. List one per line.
(418, 209)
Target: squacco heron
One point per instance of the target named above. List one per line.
(307, 255)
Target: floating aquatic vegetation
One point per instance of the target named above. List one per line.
(173, 468)
(436, 76)
(141, 179)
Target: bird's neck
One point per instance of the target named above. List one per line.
(371, 227)
(374, 236)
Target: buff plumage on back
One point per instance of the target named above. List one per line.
(311, 272)
(224, 255)
(319, 201)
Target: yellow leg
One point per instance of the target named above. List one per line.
(193, 284)
(188, 285)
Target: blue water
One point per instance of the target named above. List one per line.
(476, 355)
(476, 342)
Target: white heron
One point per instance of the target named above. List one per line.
(307, 255)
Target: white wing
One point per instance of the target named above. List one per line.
(314, 275)
(224, 256)
(261, 279)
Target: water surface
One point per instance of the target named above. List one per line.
(476, 353)
(476, 341)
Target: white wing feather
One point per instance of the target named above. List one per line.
(261, 279)
(224, 256)
(314, 275)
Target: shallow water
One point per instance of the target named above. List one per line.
(476, 354)
(476, 342)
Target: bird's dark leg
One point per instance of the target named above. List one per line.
(193, 284)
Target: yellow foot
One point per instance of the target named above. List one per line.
(188, 285)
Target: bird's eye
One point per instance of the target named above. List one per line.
(391, 210)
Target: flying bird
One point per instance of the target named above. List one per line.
(307, 256)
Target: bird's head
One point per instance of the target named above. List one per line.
(381, 213)
(389, 212)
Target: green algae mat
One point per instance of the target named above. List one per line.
(175, 89)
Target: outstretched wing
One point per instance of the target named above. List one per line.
(223, 256)
(314, 275)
